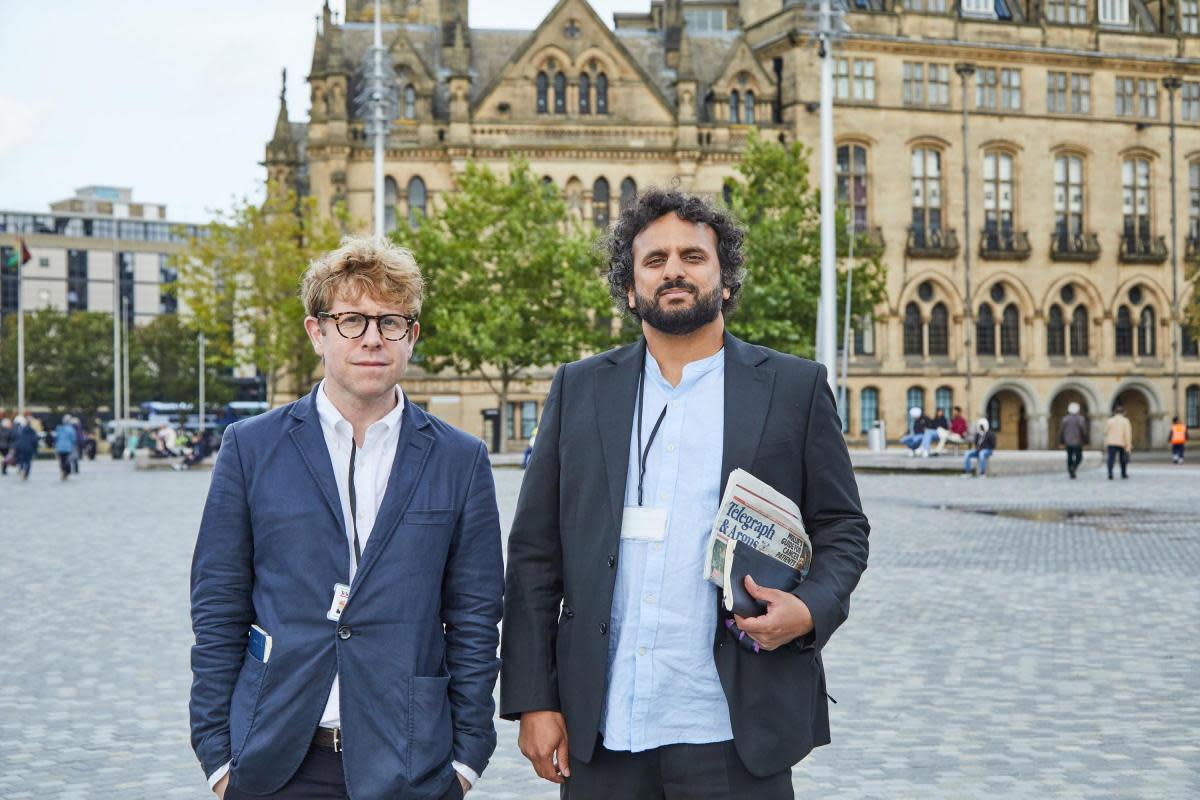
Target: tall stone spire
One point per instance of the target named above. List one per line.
(283, 145)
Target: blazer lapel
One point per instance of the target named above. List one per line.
(310, 442)
(748, 389)
(615, 394)
(412, 451)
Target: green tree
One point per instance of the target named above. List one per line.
(513, 280)
(68, 361)
(782, 214)
(239, 281)
(163, 364)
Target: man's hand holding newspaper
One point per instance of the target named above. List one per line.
(758, 531)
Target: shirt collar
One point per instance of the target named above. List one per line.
(692, 371)
(332, 418)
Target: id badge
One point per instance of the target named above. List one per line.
(643, 524)
(341, 593)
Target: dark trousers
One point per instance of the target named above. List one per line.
(320, 777)
(673, 772)
(1113, 453)
(64, 464)
(1074, 457)
(1177, 451)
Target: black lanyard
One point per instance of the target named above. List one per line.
(354, 504)
(643, 455)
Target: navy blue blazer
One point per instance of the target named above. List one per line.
(416, 644)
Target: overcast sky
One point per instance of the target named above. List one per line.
(175, 99)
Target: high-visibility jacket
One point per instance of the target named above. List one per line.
(1178, 433)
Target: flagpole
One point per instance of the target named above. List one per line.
(116, 404)
(20, 328)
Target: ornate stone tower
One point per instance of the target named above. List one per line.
(283, 155)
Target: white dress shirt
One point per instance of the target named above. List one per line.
(372, 468)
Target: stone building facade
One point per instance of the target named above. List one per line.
(1076, 273)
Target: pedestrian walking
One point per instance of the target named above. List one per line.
(25, 442)
(79, 442)
(64, 446)
(1178, 439)
(6, 440)
(1118, 439)
(983, 444)
(1073, 434)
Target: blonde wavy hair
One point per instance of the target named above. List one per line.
(364, 266)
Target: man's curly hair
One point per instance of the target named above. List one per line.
(653, 204)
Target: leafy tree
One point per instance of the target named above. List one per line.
(782, 214)
(239, 281)
(513, 281)
(163, 356)
(68, 360)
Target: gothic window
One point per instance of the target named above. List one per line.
(1068, 200)
(1079, 332)
(735, 107)
(542, 82)
(926, 194)
(560, 93)
(1193, 406)
(1136, 199)
(1010, 331)
(939, 331)
(852, 182)
(943, 399)
(628, 193)
(601, 93)
(864, 336)
(749, 108)
(998, 198)
(868, 408)
(416, 201)
(915, 398)
(600, 203)
(1124, 332)
(1145, 332)
(585, 92)
(410, 102)
(390, 192)
(1056, 332)
(913, 346)
(985, 332)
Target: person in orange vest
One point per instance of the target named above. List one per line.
(1178, 438)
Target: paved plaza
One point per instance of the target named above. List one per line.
(1018, 637)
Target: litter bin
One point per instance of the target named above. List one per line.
(877, 437)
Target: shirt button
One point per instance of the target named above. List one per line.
(603, 628)
(641, 651)
(344, 632)
(650, 599)
(674, 404)
(662, 496)
(612, 560)
(657, 546)
(670, 448)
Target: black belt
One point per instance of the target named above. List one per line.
(329, 738)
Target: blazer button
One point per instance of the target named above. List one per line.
(569, 612)
(603, 628)
(612, 561)
(344, 632)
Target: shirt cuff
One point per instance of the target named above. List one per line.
(221, 772)
(471, 775)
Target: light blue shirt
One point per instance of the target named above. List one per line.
(663, 686)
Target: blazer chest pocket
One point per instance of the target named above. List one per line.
(428, 517)
(775, 447)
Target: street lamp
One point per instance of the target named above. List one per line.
(965, 71)
(1172, 83)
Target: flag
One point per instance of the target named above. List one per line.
(20, 256)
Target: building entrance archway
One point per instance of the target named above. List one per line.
(1058, 410)
(1006, 413)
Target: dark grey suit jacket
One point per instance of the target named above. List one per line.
(781, 425)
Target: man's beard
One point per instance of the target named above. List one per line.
(683, 321)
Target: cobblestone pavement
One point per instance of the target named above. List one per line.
(1023, 637)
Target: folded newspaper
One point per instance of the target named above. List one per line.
(757, 532)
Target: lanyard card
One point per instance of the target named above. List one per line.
(341, 593)
(644, 524)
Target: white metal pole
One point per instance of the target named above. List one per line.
(20, 331)
(846, 314)
(827, 307)
(116, 260)
(126, 316)
(201, 366)
(380, 125)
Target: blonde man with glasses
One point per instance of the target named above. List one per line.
(347, 578)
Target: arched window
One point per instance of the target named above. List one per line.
(1079, 332)
(998, 199)
(735, 107)
(914, 398)
(416, 201)
(985, 332)
(600, 203)
(560, 93)
(913, 346)
(601, 93)
(939, 331)
(864, 335)
(410, 102)
(943, 399)
(542, 84)
(749, 108)
(628, 193)
(1135, 177)
(1010, 331)
(585, 94)
(1189, 346)
(1193, 406)
(868, 408)
(1145, 333)
(390, 192)
(926, 196)
(1056, 332)
(852, 182)
(1124, 332)
(1068, 201)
